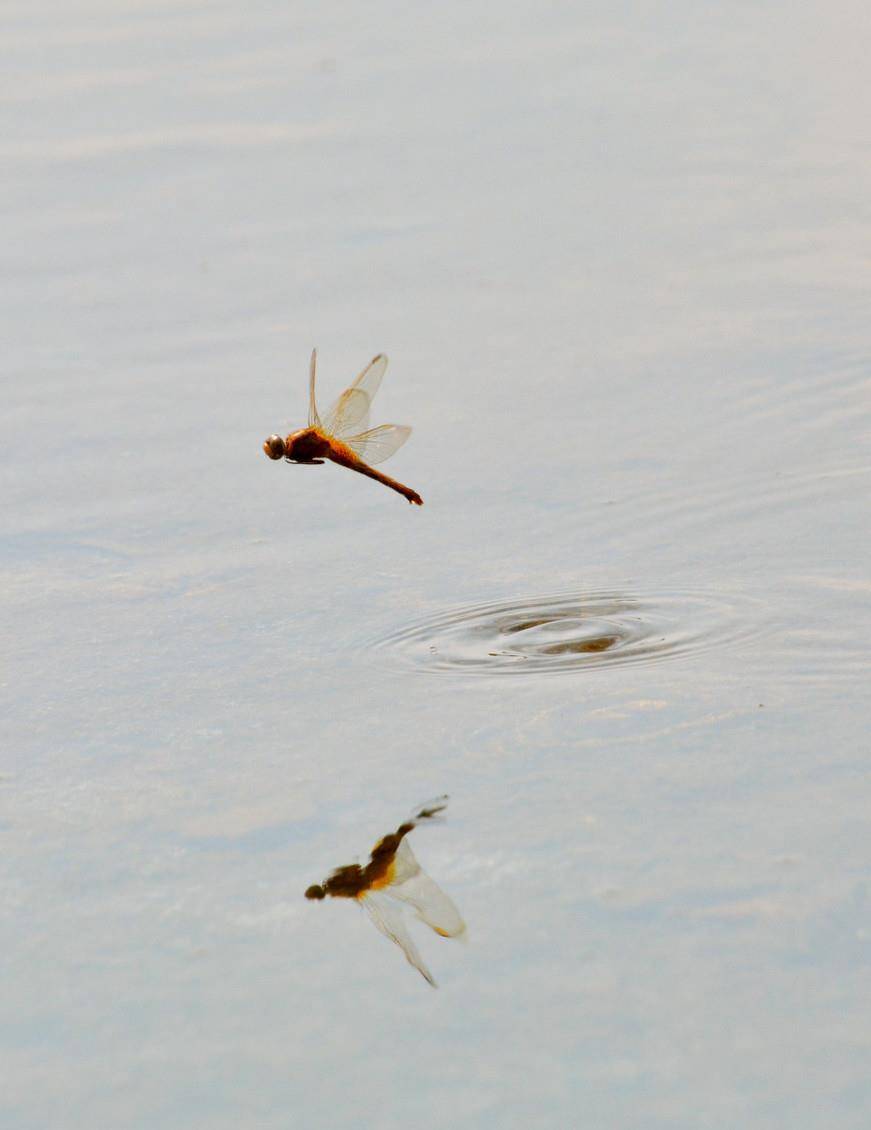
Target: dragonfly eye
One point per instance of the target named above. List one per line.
(315, 892)
(274, 447)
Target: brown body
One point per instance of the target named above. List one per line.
(311, 445)
(351, 881)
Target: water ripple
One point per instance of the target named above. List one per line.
(571, 632)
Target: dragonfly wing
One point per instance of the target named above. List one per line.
(431, 905)
(379, 443)
(405, 865)
(313, 418)
(388, 919)
(350, 413)
(369, 380)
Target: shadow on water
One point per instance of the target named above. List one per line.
(572, 632)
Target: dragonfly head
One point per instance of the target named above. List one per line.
(275, 447)
(315, 892)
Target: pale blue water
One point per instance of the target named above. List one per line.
(618, 257)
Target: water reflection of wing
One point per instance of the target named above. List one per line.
(431, 905)
(430, 810)
(350, 413)
(379, 443)
(388, 919)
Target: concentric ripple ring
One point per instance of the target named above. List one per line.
(571, 632)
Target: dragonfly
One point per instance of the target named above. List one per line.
(391, 878)
(343, 435)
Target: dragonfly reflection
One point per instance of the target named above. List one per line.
(343, 435)
(393, 873)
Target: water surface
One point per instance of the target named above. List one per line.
(618, 257)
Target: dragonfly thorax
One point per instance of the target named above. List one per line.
(305, 445)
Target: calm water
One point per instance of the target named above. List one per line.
(618, 255)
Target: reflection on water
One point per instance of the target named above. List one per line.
(393, 873)
(572, 632)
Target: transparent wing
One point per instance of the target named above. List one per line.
(369, 380)
(431, 905)
(350, 413)
(379, 443)
(404, 866)
(388, 919)
(313, 418)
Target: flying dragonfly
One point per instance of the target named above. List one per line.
(393, 873)
(343, 435)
